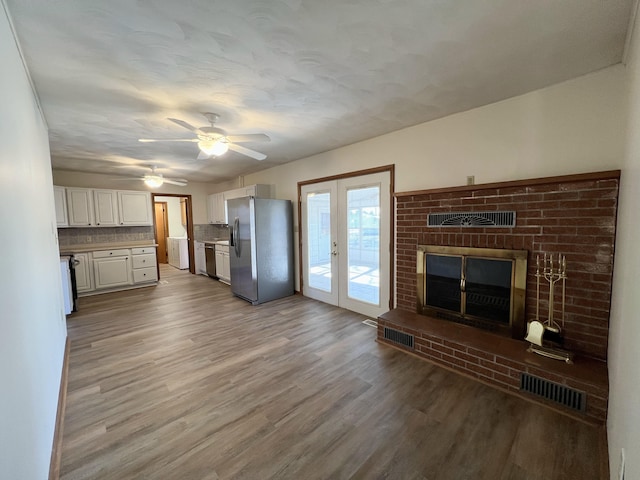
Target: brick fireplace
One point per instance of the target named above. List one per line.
(572, 215)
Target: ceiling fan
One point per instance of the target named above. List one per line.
(213, 141)
(156, 179)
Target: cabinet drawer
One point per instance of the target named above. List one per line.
(112, 253)
(148, 274)
(140, 251)
(222, 248)
(146, 260)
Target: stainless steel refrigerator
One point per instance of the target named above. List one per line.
(261, 248)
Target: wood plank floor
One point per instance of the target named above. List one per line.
(184, 381)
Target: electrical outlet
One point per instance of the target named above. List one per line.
(621, 471)
(471, 180)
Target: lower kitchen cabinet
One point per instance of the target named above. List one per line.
(112, 268)
(84, 272)
(223, 269)
(117, 269)
(200, 258)
(144, 264)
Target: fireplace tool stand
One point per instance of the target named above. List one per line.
(536, 330)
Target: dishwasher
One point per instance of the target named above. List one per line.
(210, 258)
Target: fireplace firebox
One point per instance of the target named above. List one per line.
(483, 287)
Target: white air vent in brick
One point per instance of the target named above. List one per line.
(472, 219)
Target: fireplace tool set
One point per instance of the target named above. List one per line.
(552, 272)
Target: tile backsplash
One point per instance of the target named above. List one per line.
(87, 236)
(205, 231)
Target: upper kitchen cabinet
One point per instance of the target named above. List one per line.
(215, 208)
(260, 191)
(105, 204)
(80, 207)
(135, 208)
(60, 199)
(88, 207)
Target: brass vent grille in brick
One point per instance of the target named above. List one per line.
(561, 394)
(472, 219)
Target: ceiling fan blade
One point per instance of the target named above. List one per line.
(179, 182)
(149, 140)
(247, 151)
(203, 156)
(184, 124)
(250, 137)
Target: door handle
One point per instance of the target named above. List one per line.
(236, 232)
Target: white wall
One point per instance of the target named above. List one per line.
(174, 216)
(623, 426)
(32, 322)
(574, 127)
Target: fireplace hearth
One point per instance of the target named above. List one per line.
(574, 215)
(481, 287)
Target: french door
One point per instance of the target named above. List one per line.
(346, 242)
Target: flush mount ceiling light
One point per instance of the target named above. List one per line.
(154, 181)
(215, 147)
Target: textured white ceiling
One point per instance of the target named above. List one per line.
(313, 75)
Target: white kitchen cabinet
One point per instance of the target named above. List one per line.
(200, 258)
(105, 207)
(134, 208)
(60, 200)
(259, 191)
(112, 268)
(223, 269)
(178, 250)
(84, 272)
(144, 263)
(215, 208)
(80, 207)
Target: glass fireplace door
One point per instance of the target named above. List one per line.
(470, 287)
(443, 282)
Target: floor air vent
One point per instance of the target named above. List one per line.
(400, 338)
(561, 394)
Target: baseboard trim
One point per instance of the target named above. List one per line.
(56, 452)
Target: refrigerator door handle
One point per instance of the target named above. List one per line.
(236, 243)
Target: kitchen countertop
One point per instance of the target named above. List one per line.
(216, 242)
(95, 247)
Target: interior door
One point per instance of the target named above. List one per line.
(162, 230)
(346, 242)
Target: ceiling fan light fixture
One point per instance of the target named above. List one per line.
(153, 181)
(213, 147)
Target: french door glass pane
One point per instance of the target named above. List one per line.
(363, 251)
(319, 244)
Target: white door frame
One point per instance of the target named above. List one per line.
(387, 168)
